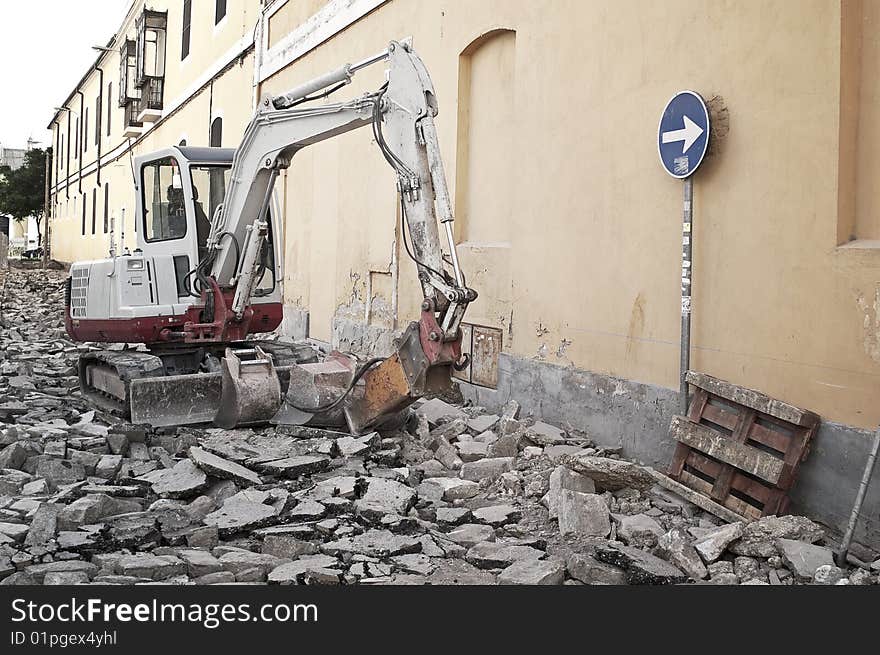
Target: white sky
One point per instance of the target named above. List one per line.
(45, 48)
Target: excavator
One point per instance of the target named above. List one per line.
(207, 270)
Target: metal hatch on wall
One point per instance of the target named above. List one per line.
(483, 344)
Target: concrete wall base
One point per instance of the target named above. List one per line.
(635, 416)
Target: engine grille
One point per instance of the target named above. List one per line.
(79, 287)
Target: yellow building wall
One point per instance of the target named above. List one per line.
(573, 219)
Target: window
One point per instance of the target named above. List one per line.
(76, 140)
(216, 133)
(60, 151)
(94, 207)
(129, 94)
(106, 208)
(184, 35)
(86, 130)
(164, 211)
(127, 69)
(219, 10)
(209, 187)
(109, 104)
(83, 213)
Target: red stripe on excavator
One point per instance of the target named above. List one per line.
(148, 329)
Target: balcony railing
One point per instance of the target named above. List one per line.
(152, 92)
(132, 109)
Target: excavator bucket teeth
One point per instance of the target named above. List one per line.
(250, 390)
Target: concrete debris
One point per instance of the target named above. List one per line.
(221, 468)
(482, 423)
(497, 515)
(239, 516)
(448, 489)
(309, 568)
(545, 434)
(564, 478)
(712, 545)
(385, 497)
(486, 469)
(589, 570)
(533, 572)
(759, 537)
(494, 554)
(802, 558)
(583, 514)
(374, 543)
(457, 495)
(184, 480)
(639, 530)
(641, 567)
(435, 411)
(677, 548)
(610, 474)
(471, 534)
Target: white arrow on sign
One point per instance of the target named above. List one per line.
(689, 134)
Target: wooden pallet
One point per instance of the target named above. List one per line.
(739, 447)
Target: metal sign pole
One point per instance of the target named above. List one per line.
(686, 280)
(682, 141)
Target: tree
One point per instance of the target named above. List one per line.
(22, 190)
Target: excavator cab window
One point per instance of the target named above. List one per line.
(164, 208)
(209, 187)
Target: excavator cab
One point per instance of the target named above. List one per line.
(180, 189)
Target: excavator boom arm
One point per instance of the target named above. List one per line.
(401, 114)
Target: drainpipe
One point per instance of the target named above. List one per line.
(82, 124)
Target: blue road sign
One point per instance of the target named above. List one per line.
(683, 134)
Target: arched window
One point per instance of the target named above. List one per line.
(216, 132)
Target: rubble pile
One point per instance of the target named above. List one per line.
(455, 496)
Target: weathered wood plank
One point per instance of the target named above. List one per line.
(720, 416)
(702, 463)
(751, 398)
(696, 497)
(714, 444)
(739, 507)
(770, 438)
(698, 402)
(751, 488)
(722, 484)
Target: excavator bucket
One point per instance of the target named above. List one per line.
(395, 384)
(312, 385)
(250, 391)
(175, 399)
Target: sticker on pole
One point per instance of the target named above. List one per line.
(684, 134)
